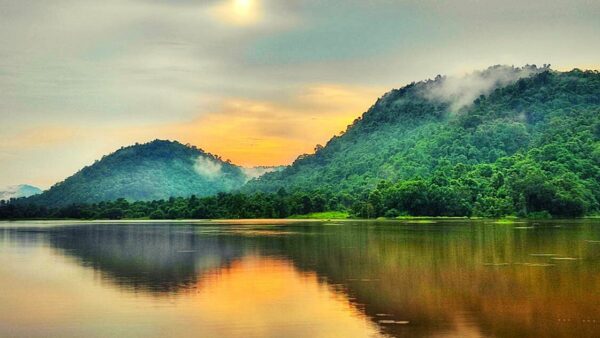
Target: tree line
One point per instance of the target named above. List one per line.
(520, 189)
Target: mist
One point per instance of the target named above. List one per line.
(207, 168)
(256, 172)
(461, 91)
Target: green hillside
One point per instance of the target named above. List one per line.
(531, 145)
(141, 172)
(501, 142)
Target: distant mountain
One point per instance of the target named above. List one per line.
(501, 141)
(18, 191)
(156, 170)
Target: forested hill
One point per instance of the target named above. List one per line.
(151, 171)
(529, 143)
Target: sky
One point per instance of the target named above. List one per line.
(258, 82)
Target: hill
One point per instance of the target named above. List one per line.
(499, 142)
(143, 172)
(18, 191)
(504, 141)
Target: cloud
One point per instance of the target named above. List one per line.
(461, 91)
(208, 168)
(255, 172)
(137, 60)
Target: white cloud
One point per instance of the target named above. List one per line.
(461, 91)
(208, 168)
(255, 172)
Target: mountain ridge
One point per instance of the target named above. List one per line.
(159, 169)
(409, 140)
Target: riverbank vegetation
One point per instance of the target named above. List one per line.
(436, 197)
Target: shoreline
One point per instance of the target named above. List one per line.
(404, 219)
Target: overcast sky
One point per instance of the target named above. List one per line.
(255, 81)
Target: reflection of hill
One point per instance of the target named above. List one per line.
(461, 280)
(146, 258)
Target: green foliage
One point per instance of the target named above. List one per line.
(155, 170)
(222, 205)
(323, 215)
(528, 147)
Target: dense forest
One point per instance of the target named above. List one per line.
(222, 205)
(527, 145)
(143, 172)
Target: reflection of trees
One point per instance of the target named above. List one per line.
(440, 278)
(151, 258)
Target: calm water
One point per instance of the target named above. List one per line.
(300, 279)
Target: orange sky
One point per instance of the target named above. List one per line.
(254, 133)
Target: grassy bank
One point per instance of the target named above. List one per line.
(323, 215)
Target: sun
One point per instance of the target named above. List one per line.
(244, 10)
(238, 12)
(243, 5)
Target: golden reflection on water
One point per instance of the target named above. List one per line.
(290, 279)
(47, 294)
(266, 297)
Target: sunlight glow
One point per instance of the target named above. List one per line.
(238, 12)
(243, 4)
(260, 132)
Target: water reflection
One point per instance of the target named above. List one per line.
(303, 279)
(150, 258)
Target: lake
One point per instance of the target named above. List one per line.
(278, 278)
